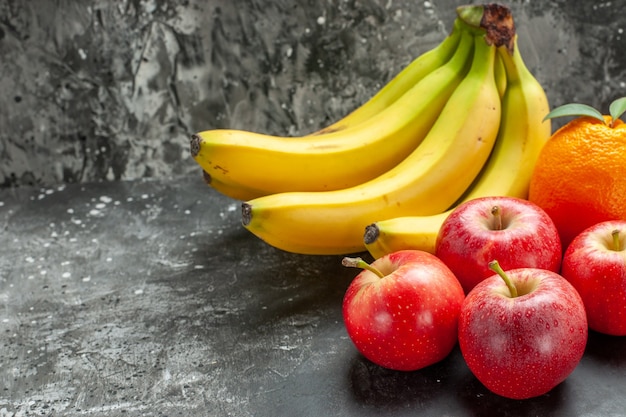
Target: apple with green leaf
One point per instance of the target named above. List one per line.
(595, 264)
(401, 312)
(522, 332)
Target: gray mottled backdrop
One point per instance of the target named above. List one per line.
(111, 89)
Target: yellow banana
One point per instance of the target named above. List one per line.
(262, 164)
(419, 68)
(500, 75)
(523, 133)
(428, 181)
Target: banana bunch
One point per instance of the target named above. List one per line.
(461, 121)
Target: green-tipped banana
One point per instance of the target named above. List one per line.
(419, 68)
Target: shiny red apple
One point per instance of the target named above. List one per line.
(401, 312)
(595, 264)
(522, 332)
(516, 232)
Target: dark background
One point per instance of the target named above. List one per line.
(110, 90)
(129, 288)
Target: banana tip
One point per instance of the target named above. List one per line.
(194, 145)
(371, 233)
(246, 213)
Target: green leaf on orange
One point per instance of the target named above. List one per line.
(574, 109)
(617, 108)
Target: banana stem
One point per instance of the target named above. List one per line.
(495, 19)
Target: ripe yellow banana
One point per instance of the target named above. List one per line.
(522, 135)
(428, 181)
(264, 164)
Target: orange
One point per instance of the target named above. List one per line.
(580, 176)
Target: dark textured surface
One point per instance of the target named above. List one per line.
(148, 298)
(106, 90)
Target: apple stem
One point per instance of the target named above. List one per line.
(360, 263)
(616, 242)
(495, 211)
(495, 266)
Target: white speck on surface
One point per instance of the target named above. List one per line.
(5, 320)
(321, 20)
(109, 259)
(1, 203)
(30, 259)
(187, 212)
(100, 206)
(66, 274)
(287, 348)
(129, 199)
(86, 279)
(82, 53)
(198, 267)
(138, 292)
(95, 213)
(106, 199)
(43, 272)
(144, 196)
(77, 221)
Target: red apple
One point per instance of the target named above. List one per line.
(522, 332)
(401, 312)
(516, 232)
(595, 264)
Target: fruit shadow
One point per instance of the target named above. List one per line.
(385, 390)
(606, 350)
(477, 401)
